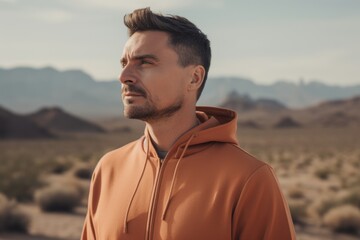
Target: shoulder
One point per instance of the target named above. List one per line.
(239, 158)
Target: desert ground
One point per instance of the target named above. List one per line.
(318, 169)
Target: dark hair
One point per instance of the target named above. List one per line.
(188, 41)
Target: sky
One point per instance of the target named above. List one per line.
(265, 41)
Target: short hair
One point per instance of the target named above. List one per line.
(187, 40)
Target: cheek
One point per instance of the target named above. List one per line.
(164, 85)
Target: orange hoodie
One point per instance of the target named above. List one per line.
(205, 188)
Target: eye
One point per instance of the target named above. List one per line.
(123, 63)
(143, 61)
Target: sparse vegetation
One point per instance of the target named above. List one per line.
(12, 219)
(60, 166)
(58, 198)
(323, 173)
(345, 218)
(353, 197)
(327, 205)
(296, 192)
(19, 177)
(84, 172)
(298, 212)
(295, 154)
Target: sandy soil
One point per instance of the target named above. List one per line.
(63, 226)
(50, 226)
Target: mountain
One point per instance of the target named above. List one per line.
(242, 103)
(15, 126)
(287, 122)
(336, 113)
(25, 89)
(333, 113)
(292, 94)
(56, 119)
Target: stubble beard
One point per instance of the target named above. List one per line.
(148, 112)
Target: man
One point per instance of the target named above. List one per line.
(186, 178)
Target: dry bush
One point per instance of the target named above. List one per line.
(323, 173)
(58, 198)
(296, 192)
(345, 218)
(353, 197)
(12, 219)
(60, 167)
(19, 177)
(84, 172)
(298, 211)
(326, 205)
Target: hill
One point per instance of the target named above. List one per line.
(293, 95)
(13, 126)
(244, 103)
(56, 119)
(334, 113)
(25, 89)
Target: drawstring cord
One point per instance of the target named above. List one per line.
(137, 186)
(174, 177)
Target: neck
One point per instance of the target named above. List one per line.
(165, 132)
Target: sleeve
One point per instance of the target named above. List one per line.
(262, 211)
(88, 231)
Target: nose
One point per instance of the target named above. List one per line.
(127, 76)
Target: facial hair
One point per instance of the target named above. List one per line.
(148, 111)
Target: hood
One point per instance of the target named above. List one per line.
(216, 125)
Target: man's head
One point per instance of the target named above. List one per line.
(189, 42)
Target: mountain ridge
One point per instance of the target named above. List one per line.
(26, 89)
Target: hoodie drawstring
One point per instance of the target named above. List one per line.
(174, 177)
(137, 186)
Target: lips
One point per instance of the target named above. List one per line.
(132, 94)
(133, 91)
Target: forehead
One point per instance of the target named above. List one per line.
(147, 42)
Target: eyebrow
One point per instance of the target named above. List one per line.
(140, 57)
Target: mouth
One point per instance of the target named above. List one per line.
(132, 94)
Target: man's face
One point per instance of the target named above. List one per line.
(153, 82)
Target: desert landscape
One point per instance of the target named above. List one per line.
(289, 69)
(44, 181)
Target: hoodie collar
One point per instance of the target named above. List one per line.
(217, 125)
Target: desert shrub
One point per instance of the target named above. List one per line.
(323, 173)
(345, 218)
(60, 167)
(305, 163)
(83, 172)
(353, 197)
(298, 212)
(325, 155)
(12, 219)
(58, 198)
(19, 177)
(355, 182)
(326, 205)
(296, 193)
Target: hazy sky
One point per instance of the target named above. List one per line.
(262, 40)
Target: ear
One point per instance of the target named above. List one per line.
(197, 78)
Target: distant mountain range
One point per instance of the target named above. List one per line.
(25, 89)
(50, 122)
(44, 123)
(269, 113)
